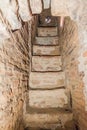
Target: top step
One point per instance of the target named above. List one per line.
(47, 31)
(46, 16)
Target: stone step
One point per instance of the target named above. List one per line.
(46, 63)
(33, 110)
(46, 41)
(48, 98)
(47, 31)
(47, 80)
(46, 50)
(50, 120)
(40, 128)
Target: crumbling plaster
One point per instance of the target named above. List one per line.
(78, 12)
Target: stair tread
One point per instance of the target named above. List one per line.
(48, 120)
(48, 98)
(47, 31)
(46, 41)
(46, 50)
(46, 63)
(47, 80)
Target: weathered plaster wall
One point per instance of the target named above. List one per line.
(71, 48)
(76, 54)
(81, 18)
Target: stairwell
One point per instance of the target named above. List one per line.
(43, 76)
(48, 106)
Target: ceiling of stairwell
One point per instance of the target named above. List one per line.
(13, 12)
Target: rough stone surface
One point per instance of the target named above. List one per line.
(46, 41)
(46, 50)
(48, 98)
(36, 6)
(74, 64)
(46, 4)
(13, 80)
(47, 80)
(24, 10)
(59, 8)
(4, 33)
(48, 120)
(46, 63)
(9, 11)
(47, 31)
(14, 76)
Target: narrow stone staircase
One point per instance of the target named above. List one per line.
(48, 105)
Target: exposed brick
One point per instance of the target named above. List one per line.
(71, 50)
(14, 76)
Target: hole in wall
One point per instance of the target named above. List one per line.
(77, 127)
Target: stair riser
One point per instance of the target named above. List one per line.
(46, 50)
(46, 63)
(48, 80)
(48, 98)
(47, 31)
(48, 120)
(46, 41)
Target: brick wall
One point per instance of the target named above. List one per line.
(70, 49)
(14, 76)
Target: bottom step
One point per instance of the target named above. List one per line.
(49, 120)
(38, 128)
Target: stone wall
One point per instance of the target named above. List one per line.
(71, 51)
(32, 33)
(14, 76)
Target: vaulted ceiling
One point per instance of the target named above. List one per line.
(12, 12)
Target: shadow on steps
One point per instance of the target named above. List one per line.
(68, 126)
(35, 128)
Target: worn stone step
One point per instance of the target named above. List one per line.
(47, 80)
(50, 120)
(46, 50)
(33, 110)
(46, 41)
(47, 31)
(46, 63)
(48, 98)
